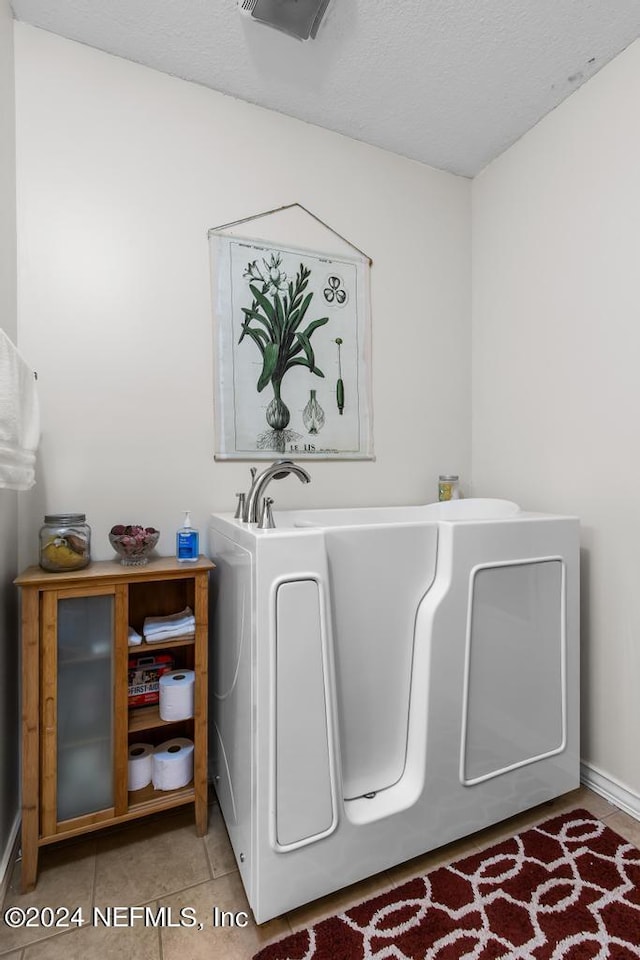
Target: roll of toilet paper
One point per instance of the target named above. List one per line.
(176, 694)
(140, 762)
(172, 764)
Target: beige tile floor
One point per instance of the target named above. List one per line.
(177, 870)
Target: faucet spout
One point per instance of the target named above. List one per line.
(275, 471)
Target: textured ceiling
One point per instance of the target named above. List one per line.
(451, 83)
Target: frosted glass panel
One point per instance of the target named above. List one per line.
(515, 690)
(85, 705)
(304, 806)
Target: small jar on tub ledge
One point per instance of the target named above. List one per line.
(448, 487)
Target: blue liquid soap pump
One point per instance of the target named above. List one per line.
(187, 541)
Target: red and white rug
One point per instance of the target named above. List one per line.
(568, 889)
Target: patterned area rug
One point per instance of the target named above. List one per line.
(568, 889)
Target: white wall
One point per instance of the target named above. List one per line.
(556, 376)
(9, 640)
(121, 171)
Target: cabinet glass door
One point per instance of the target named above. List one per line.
(85, 705)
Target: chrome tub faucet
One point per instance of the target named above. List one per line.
(275, 471)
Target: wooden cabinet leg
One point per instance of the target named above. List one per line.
(202, 815)
(29, 873)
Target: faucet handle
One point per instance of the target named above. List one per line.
(266, 521)
(238, 515)
(242, 511)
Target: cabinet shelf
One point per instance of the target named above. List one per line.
(148, 718)
(149, 800)
(186, 641)
(76, 722)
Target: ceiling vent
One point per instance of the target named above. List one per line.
(298, 18)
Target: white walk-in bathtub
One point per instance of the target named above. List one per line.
(384, 681)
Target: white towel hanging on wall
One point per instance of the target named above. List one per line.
(19, 419)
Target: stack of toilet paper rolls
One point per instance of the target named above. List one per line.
(168, 766)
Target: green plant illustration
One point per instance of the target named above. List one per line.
(273, 322)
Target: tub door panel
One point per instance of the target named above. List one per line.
(378, 576)
(304, 792)
(514, 707)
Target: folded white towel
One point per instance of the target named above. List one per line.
(183, 620)
(134, 638)
(19, 419)
(171, 634)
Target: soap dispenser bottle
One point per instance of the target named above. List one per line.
(187, 541)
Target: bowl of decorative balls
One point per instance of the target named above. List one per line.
(133, 543)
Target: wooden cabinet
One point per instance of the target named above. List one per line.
(76, 720)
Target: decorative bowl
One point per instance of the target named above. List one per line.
(133, 543)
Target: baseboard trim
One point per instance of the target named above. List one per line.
(611, 789)
(9, 856)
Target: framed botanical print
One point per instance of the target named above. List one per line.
(292, 351)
